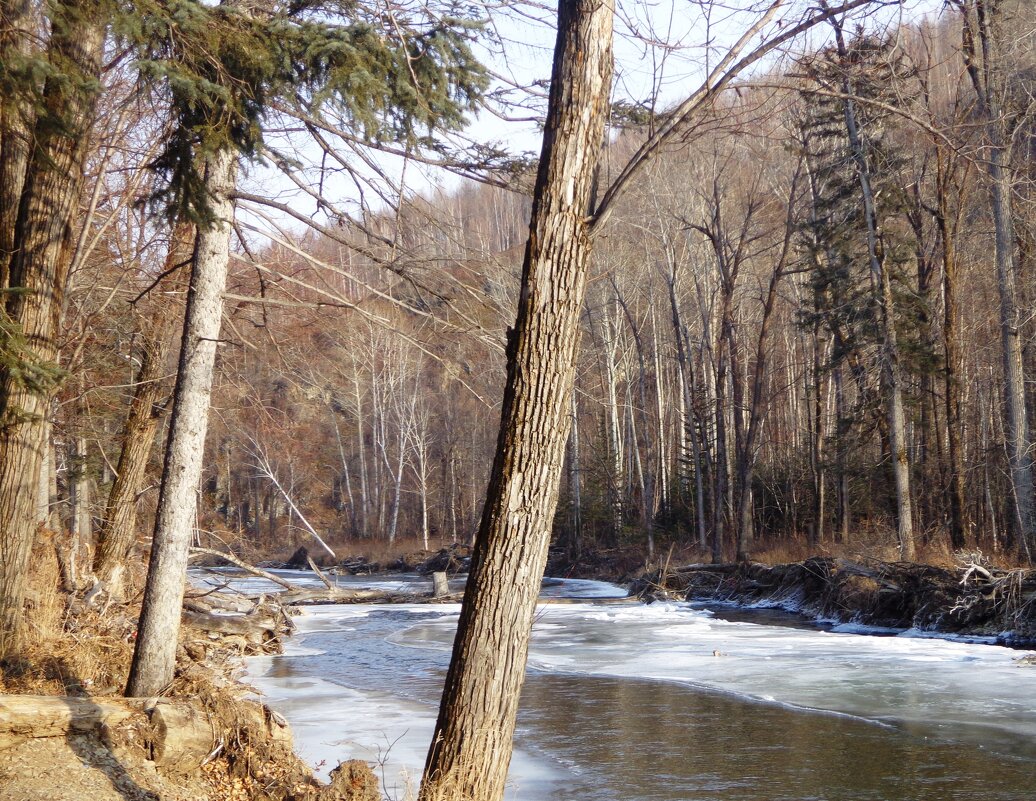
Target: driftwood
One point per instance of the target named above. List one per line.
(320, 575)
(255, 571)
(182, 736)
(254, 627)
(223, 602)
(27, 716)
(199, 607)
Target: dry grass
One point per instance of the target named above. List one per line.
(70, 648)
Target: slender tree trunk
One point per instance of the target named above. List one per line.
(609, 334)
(817, 435)
(842, 460)
(154, 656)
(471, 746)
(575, 500)
(691, 414)
(951, 350)
(49, 201)
(118, 531)
(889, 348)
(361, 446)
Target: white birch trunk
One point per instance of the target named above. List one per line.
(154, 656)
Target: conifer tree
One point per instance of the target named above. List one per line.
(855, 252)
(396, 77)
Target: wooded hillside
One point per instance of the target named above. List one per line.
(818, 283)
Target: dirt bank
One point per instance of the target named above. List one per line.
(66, 735)
(973, 599)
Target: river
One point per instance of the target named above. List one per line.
(672, 702)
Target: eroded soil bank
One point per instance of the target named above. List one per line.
(971, 600)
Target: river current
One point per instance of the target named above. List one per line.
(672, 702)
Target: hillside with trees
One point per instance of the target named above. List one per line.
(730, 382)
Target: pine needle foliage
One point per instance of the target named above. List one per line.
(395, 72)
(835, 236)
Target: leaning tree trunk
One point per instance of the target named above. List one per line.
(39, 267)
(471, 746)
(154, 656)
(118, 530)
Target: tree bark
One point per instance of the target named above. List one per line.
(154, 656)
(39, 267)
(16, 117)
(118, 531)
(471, 747)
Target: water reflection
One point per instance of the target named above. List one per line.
(624, 739)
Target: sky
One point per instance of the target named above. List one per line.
(663, 50)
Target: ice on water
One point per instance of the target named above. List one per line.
(375, 693)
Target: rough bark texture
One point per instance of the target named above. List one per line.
(53, 185)
(154, 656)
(471, 748)
(15, 128)
(118, 531)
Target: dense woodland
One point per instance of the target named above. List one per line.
(730, 381)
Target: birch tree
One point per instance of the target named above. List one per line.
(251, 57)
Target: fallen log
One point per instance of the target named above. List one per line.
(28, 716)
(255, 571)
(182, 735)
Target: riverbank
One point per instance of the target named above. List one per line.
(971, 598)
(66, 734)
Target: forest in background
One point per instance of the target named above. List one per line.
(730, 382)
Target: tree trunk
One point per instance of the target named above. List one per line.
(53, 186)
(575, 501)
(118, 531)
(16, 118)
(155, 653)
(889, 348)
(952, 399)
(471, 746)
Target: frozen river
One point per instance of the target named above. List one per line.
(673, 702)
